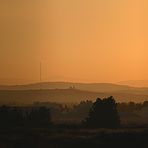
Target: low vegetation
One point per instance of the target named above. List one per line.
(99, 124)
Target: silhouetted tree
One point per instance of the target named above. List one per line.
(39, 117)
(10, 117)
(103, 113)
(145, 104)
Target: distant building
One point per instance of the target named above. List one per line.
(72, 87)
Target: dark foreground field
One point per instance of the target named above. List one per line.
(73, 138)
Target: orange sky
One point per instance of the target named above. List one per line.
(76, 40)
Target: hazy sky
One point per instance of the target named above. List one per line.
(76, 40)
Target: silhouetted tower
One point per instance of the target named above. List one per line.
(40, 75)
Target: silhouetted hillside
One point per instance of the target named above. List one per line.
(96, 87)
(135, 83)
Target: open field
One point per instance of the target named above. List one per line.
(71, 138)
(65, 96)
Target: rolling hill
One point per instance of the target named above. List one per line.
(135, 83)
(96, 87)
(64, 92)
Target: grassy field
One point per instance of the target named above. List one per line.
(73, 138)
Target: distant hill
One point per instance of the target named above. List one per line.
(96, 87)
(70, 92)
(135, 83)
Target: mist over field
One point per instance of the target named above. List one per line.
(69, 92)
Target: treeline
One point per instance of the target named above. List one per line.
(130, 113)
(19, 117)
(132, 106)
(101, 113)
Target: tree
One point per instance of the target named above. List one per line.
(103, 114)
(39, 117)
(10, 117)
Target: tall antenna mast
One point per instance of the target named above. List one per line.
(40, 75)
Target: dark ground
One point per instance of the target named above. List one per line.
(73, 138)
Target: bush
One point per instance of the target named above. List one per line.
(103, 114)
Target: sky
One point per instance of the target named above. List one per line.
(75, 40)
